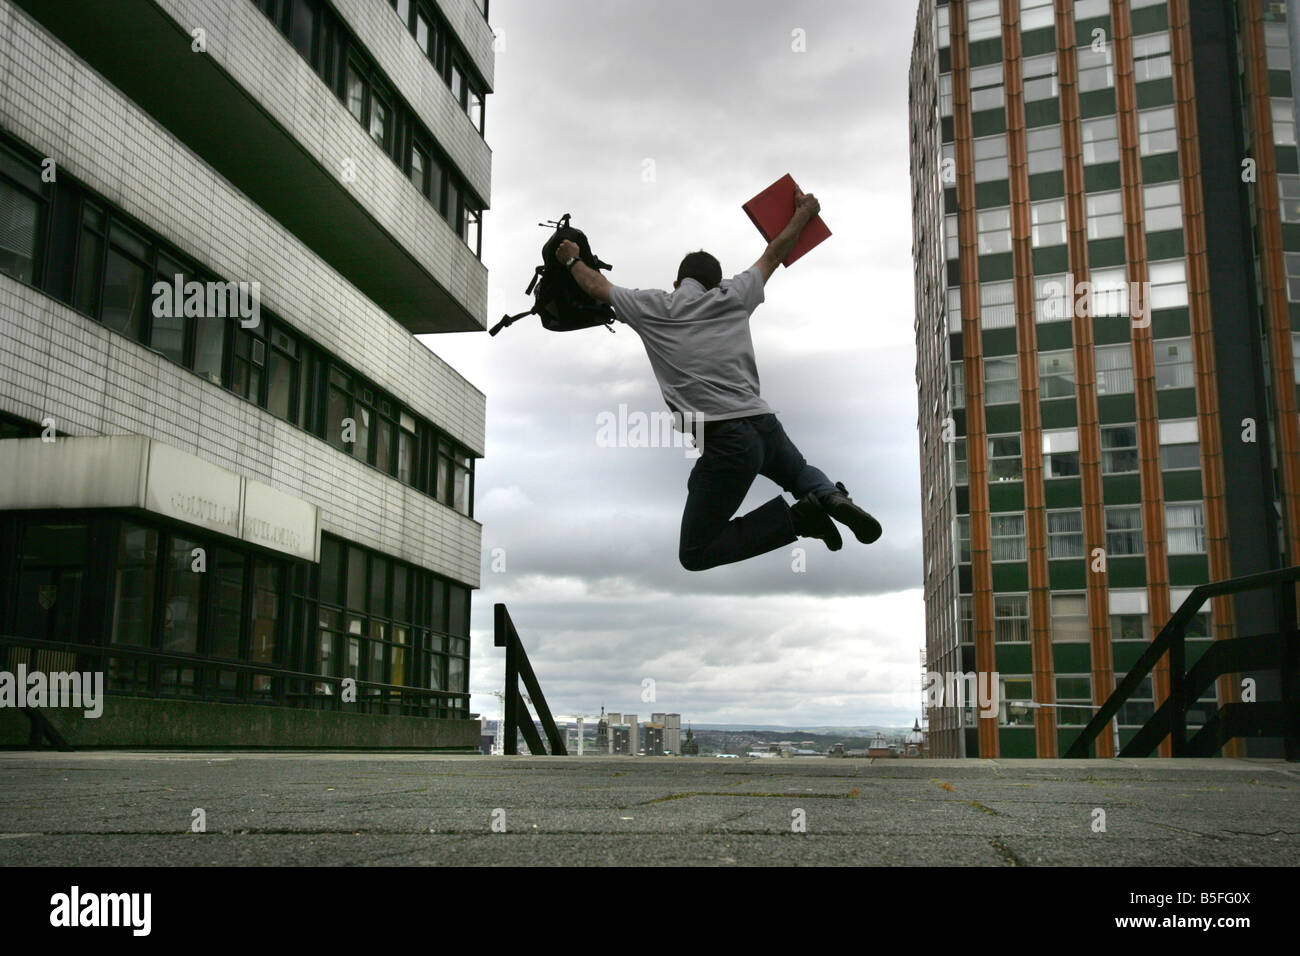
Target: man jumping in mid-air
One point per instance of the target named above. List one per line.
(697, 339)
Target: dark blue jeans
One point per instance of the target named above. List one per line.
(733, 453)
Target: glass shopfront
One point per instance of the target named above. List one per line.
(199, 616)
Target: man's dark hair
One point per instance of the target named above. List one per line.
(701, 267)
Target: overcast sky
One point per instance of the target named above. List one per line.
(652, 123)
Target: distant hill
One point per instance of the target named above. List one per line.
(855, 731)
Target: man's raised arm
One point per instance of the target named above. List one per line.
(588, 279)
(806, 207)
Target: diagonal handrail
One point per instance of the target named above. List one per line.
(1172, 717)
(517, 718)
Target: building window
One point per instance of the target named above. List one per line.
(1108, 292)
(1175, 367)
(22, 214)
(1056, 374)
(1001, 381)
(954, 309)
(1040, 75)
(354, 92)
(965, 619)
(984, 20)
(472, 225)
(1064, 534)
(1070, 616)
(1157, 132)
(1119, 454)
(990, 158)
(960, 468)
(1105, 215)
(1200, 626)
(1051, 299)
(1288, 188)
(1074, 689)
(1016, 695)
(957, 393)
(1123, 530)
(1128, 615)
(1151, 57)
(1035, 14)
(1293, 276)
(1004, 458)
(1140, 706)
(1061, 453)
(941, 27)
(1277, 45)
(963, 539)
(1168, 284)
(1185, 528)
(1010, 618)
(127, 275)
(1162, 207)
(1283, 122)
(249, 363)
(1090, 9)
(1043, 149)
(993, 230)
(1007, 537)
(945, 94)
(1047, 219)
(951, 240)
(1179, 445)
(997, 305)
(133, 585)
(1100, 141)
(986, 91)
(1096, 68)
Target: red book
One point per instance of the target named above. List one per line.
(771, 210)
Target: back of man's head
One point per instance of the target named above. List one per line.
(701, 267)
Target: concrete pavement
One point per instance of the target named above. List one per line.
(115, 808)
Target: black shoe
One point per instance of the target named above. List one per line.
(840, 506)
(811, 521)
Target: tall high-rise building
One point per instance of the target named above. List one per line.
(653, 743)
(1106, 208)
(672, 725)
(234, 480)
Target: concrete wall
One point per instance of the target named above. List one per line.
(143, 722)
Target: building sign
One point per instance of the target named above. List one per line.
(273, 519)
(189, 489)
(131, 471)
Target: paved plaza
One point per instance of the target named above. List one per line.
(348, 809)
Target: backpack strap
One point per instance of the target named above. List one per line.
(509, 320)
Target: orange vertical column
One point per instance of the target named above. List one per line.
(1031, 430)
(973, 362)
(1144, 362)
(1085, 365)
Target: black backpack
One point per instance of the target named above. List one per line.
(559, 301)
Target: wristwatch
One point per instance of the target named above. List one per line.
(569, 263)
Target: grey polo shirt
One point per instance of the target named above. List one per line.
(698, 343)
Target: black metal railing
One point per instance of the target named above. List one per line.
(517, 719)
(264, 684)
(1279, 651)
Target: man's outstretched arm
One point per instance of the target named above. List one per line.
(588, 279)
(806, 207)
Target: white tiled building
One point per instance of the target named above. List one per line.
(243, 511)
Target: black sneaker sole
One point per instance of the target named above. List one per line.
(864, 527)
